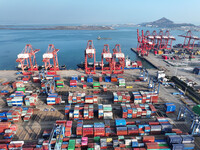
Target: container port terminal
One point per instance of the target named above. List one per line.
(115, 104)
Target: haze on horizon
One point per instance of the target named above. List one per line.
(97, 11)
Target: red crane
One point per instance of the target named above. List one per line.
(150, 38)
(90, 53)
(51, 54)
(144, 45)
(106, 56)
(189, 40)
(159, 39)
(27, 59)
(166, 40)
(154, 34)
(118, 60)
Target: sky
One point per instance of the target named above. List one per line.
(97, 11)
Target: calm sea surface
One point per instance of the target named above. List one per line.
(71, 43)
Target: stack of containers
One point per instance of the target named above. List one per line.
(68, 129)
(28, 114)
(26, 79)
(4, 92)
(100, 111)
(155, 128)
(89, 78)
(59, 83)
(84, 86)
(76, 112)
(14, 114)
(100, 78)
(170, 107)
(76, 97)
(144, 129)
(4, 126)
(16, 99)
(88, 130)
(67, 108)
(90, 99)
(121, 127)
(121, 97)
(137, 110)
(18, 84)
(79, 128)
(74, 77)
(31, 100)
(181, 141)
(113, 78)
(99, 129)
(3, 116)
(96, 85)
(71, 145)
(56, 77)
(121, 82)
(107, 79)
(36, 79)
(132, 130)
(105, 88)
(24, 111)
(107, 111)
(165, 125)
(53, 99)
(88, 112)
(144, 97)
(73, 83)
(82, 78)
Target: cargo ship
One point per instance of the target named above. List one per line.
(128, 64)
(63, 67)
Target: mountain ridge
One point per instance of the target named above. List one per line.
(164, 22)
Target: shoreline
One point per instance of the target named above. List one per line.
(155, 66)
(58, 28)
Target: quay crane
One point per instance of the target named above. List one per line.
(107, 57)
(90, 53)
(166, 40)
(51, 54)
(144, 45)
(151, 38)
(189, 40)
(27, 59)
(118, 60)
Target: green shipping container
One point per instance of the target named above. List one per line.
(97, 139)
(21, 89)
(196, 109)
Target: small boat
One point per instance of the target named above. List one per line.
(100, 38)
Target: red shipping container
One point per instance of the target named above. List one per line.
(3, 146)
(148, 139)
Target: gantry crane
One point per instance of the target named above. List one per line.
(90, 53)
(159, 40)
(106, 56)
(154, 34)
(51, 54)
(166, 40)
(118, 60)
(144, 45)
(150, 38)
(26, 58)
(189, 40)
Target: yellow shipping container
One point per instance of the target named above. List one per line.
(129, 87)
(109, 140)
(160, 52)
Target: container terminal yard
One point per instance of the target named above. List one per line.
(115, 104)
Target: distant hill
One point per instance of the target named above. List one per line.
(165, 23)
